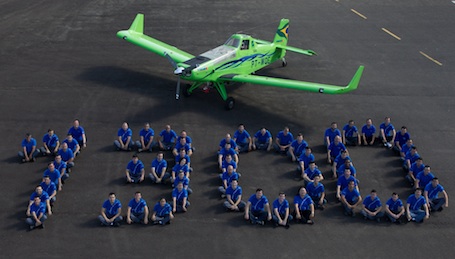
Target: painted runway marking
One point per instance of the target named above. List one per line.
(359, 14)
(391, 34)
(430, 58)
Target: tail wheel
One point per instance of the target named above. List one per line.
(186, 91)
(230, 102)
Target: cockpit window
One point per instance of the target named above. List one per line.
(245, 44)
(233, 42)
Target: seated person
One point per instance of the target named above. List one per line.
(406, 148)
(228, 139)
(368, 131)
(283, 141)
(54, 176)
(334, 150)
(243, 139)
(343, 182)
(50, 143)
(29, 151)
(72, 144)
(162, 213)
(181, 178)
(297, 147)
(281, 215)
(234, 198)
(317, 192)
(180, 201)
(227, 150)
(415, 169)
(111, 212)
(189, 141)
(372, 207)
(350, 134)
(262, 140)
(387, 133)
(424, 178)
(411, 156)
(305, 159)
(137, 212)
(49, 187)
(123, 141)
(227, 178)
(347, 164)
(311, 172)
(36, 213)
(146, 142)
(338, 161)
(431, 194)
(400, 139)
(350, 198)
(135, 172)
(44, 199)
(394, 208)
(416, 207)
(182, 145)
(182, 166)
(78, 133)
(67, 156)
(167, 138)
(158, 172)
(257, 209)
(304, 207)
(228, 161)
(331, 133)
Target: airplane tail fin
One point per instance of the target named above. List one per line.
(138, 24)
(281, 36)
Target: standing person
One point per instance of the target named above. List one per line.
(387, 133)
(29, 151)
(263, 140)
(123, 141)
(257, 209)
(78, 133)
(372, 207)
(180, 201)
(158, 169)
(281, 216)
(243, 139)
(414, 205)
(145, 142)
(431, 194)
(394, 208)
(283, 141)
(350, 198)
(135, 172)
(331, 133)
(317, 192)
(234, 198)
(368, 131)
(50, 143)
(162, 213)
(111, 212)
(36, 213)
(350, 134)
(167, 138)
(304, 207)
(137, 212)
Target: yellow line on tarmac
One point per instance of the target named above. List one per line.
(391, 34)
(430, 58)
(359, 14)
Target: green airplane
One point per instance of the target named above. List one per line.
(235, 61)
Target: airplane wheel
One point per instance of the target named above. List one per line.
(186, 92)
(284, 63)
(230, 103)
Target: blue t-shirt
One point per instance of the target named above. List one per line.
(285, 140)
(146, 134)
(234, 193)
(368, 131)
(179, 146)
(177, 168)
(223, 143)
(303, 203)
(29, 144)
(51, 141)
(340, 160)
(306, 159)
(179, 195)
(66, 155)
(405, 148)
(343, 182)
(38, 209)
(281, 206)
(388, 129)
(159, 165)
(415, 169)
(258, 204)
(372, 205)
(350, 196)
(229, 178)
(412, 158)
(331, 134)
(225, 152)
(402, 139)
(111, 209)
(72, 145)
(137, 207)
(54, 176)
(225, 164)
(135, 169)
(416, 203)
(424, 179)
(168, 137)
(44, 196)
(185, 181)
(433, 192)
(162, 211)
(350, 131)
(124, 134)
(60, 166)
(340, 170)
(335, 149)
(299, 148)
(49, 189)
(394, 205)
(315, 191)
(77, 133)
(312, 174)
(241, 137)
(263, 138)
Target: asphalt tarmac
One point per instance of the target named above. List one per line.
(61, 60)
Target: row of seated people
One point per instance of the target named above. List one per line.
(45, 194)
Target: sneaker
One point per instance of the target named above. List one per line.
(260, 222)
(160, 222)
(310, 222)
(139, 150)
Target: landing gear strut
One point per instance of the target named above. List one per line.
(230, 101)
(284, 63)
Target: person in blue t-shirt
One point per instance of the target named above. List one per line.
(137, 212)
(416, 207)
(424, 178)
(180, 200)
(111, 212)
(416, 167)
(78, 133)
(368, 133)
(182, 166)
(61, 166)
(347, 164)
(334, 150)
(257, 209)
(387, 133)
(350, 198)
(54, 175)
(227, 150)
(36, 213)
(226, 179)
(243, 139)
(124, 141)
(158, 169)
(400, 139)
(188, 140)
(67, 156)
(263, 140)
(431, 194)
(411, 156)
(372, 207)
(297, 147)
(311, 172)
(167, 138)
(283, 141)
(181, 178)
(339, 161)
(303, 207)
(135, 172)
(50, 188)
(44, 199)
(281, 215)
(72, 144)
(304, 160)
(350, 134)
(316, 191)
(29, 151)
(182, 145)
(343, 182)
(146, 142)
(331, 133)
(162, 213)
(228, 139)
(234, 198)
(394, 208)
(50, 143)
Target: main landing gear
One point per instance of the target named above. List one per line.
(284, 63)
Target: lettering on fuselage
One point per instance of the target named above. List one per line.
(259, 62)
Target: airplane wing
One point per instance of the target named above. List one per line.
(308, 52)
(135, 34)
(295, 84)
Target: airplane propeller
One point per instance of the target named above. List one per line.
(178, 71)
